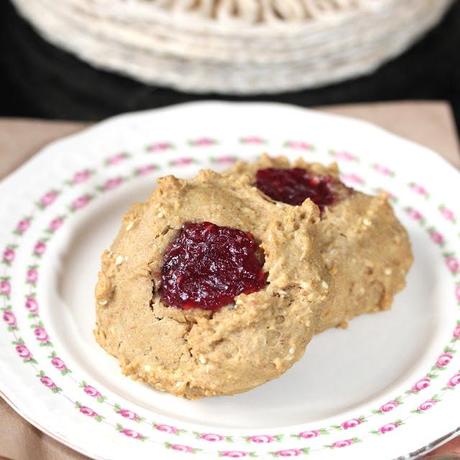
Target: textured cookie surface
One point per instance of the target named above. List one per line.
(365, 248)
(196, 352)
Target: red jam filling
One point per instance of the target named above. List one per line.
(295, 185)
(207, 266)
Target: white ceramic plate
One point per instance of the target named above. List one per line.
(385, 387)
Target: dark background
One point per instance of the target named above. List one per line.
(39, 80)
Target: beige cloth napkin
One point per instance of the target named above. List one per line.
(428, 123)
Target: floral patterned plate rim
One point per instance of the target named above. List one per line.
(394, 396)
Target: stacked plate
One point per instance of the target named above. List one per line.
(234, 46)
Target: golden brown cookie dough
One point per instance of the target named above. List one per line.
(365, 248)
(196, 352)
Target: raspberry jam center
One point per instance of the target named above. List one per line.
(207, 266)
(295, 185)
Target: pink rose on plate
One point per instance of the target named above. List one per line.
(110, 184)
(115, 159)
(383, 170)
(389, 406)
(87, 411)
(309, 434)
(48, 198)
(40, 334)
(225, 159)
(457, 331)
(91, 391)
(31, 304)
(131, 434)
(39, 248)
(9, 318)
(414, 214)
(443, 360)
(437, 237)
(419, 189)
(32, 275)
(144, 170)
(252, 140)
(346, 156)
(22, 226)
(343, 443)
(23, 352)
(447, 213)
(350, 423)
(80, 202)
(427, 405)
(261, 439)
(353, 179)
(5, 287)
(182, 161)
(159, 147)
(81, 176)
(299, 145)
(421, 384)
(181, 448)
(233, 453)
(288, 453)
(128, 414)
(387, 428)
(47, 382)
(203, 142)
(454, 381)
(166, 428)
(211, 437)
(453, 264)
(58, 363)
(55, 224)
(8, 255)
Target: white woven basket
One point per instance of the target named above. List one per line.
(234, 46)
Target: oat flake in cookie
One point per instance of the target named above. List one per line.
(364, 246)
(160, 307)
